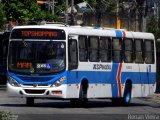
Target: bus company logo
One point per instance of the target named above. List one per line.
(101, 67)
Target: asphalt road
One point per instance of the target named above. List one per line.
(97, 109)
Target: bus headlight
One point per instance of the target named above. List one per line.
(60, 81)
(13, 82)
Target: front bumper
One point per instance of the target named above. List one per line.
(37, 92)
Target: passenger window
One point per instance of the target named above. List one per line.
(83, 50)
(105, 49)
(128, 50)
(93, 49)
(149, 52)
(138, 51)
(117, 48)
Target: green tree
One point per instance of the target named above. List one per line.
(152, 26)
(2, 16)
(25, 10)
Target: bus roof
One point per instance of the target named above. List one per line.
(92, 31)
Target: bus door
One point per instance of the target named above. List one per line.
(72, 60)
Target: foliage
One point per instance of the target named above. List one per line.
(5, 116)
(2, 16)
(22, 11)
(152, 26)
(60, 6)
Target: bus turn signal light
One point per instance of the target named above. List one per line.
(56, 92)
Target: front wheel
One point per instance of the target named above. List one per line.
(82, 100)
(83, 96)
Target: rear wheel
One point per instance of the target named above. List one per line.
(29, 101)
(125, 100)
(127, 94)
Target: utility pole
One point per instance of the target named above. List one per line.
(52, 7)
(118, 26)
(48, 1)
(98, 13)
(72, 13)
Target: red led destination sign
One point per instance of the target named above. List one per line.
(39, 33)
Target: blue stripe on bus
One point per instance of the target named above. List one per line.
(114, 80)
(27, 79)
(101, 77)
(119, 34)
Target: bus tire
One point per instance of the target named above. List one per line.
(127, 94)
(83, 96)
(82, 100)
(29, 101)
(74, 102)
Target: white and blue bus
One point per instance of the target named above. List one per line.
(79, 63)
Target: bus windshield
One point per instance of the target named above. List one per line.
(36, 57)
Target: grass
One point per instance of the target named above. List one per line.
(5, 116)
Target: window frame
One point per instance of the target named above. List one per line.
(85, 48)
(131, 50)
(151, 51)
(114, 50)
(137, 51)
(108, 49)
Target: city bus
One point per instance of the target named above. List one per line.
(79, 63)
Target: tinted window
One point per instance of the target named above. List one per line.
(36, 57)
(83, 49)
(117, 47)
(93, 49)
(105, 49)
(128, 53)
(149, 52)
(138, 51)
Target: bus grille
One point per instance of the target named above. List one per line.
(35, 79)
(34, 91)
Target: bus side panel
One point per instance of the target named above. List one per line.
(72, 84)
(99, 91)
(131, 72)
(114, 80)
(98, 86)
(152, 78)
(144, 79)
(148, 78)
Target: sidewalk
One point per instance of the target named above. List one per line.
(156, 97)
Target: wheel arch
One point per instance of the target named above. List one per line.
(128, 82)
(85, 83)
